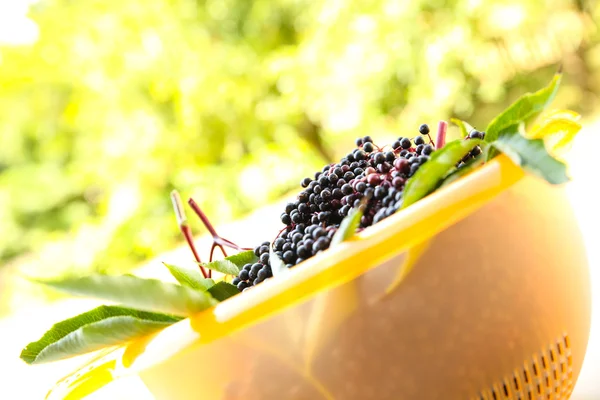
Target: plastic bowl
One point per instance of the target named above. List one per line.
(496, 306)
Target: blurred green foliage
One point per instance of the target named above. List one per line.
(232, 102)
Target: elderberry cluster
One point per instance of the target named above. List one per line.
(253, 274)
(375, 174)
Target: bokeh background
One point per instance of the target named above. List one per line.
(106, 106)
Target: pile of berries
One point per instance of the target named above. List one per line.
(253, 274)
(369, 171)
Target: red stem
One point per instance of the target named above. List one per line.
(187, 232)
(203, 217)
(441, 134)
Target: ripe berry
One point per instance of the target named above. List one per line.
(413, 168)
(389, 156)
(427, 150)
(303, 197)
(289, 207)
(262, 274)
(424, 129)
(317, 233)
(297, 237)
(359, 155)
(286, 219)
(324, 216)
(325, 206)
(405, 143)
(347, 189)
(419, 140)
(368, 147)
(380, 192)
(396, 145)
(305, 182)
(244, 275)
(398, 182)
(423, 159)
(379, 158)
(475, 134)
(367, 139)
(235, 281)
(264, 258)
(304, 208)
(242, 285)
(359, 142)
(256, 267)
(373, 179)
(476, 151)
(320, 244)
(361, 186)
(288, 257)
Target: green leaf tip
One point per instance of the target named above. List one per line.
(523, 109)
(101, 327)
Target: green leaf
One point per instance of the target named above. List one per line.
(135, 292)
(349, 224)
(223, 290)
(465, 128)
(223, 266)
(531, 154)
(277, 265)
(524, 109)
(190, 277)
(469, 166)
(98, 328)
(243, 258)
(232, 265)
(429, 176)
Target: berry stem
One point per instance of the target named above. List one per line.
(187, 233)
(441, 134)
(203, 217)
(185, 229)
(218, 241)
